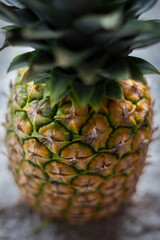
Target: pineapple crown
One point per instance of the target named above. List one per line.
(81, 47)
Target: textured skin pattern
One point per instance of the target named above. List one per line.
(78, 164)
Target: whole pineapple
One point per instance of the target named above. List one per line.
(79, 118)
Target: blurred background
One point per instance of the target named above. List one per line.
(139, 220)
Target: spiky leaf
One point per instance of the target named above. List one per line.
(145, 67)
(56, 87)
(81, 93)
(123, 70)
(20, 61)
(113, 90)
(98, 94)
(16, 15)
(15, 3)
(41, 30)
(5, 44)
(140, 6)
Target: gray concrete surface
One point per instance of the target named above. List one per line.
(140, 220)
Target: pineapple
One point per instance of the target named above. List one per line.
(79, 118)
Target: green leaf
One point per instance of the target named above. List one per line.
(131, 31)
(57, 86)
(15, 3)
(135, 72)
(133, 28)
(16, 15)
(39, 8)
(119, 71)
(45, 11)
(141, 6)
(5, 44)
(36, 77)
(66, 58)
(113, 90)
(147, 34)
(145, 40)
(10, 27)
(133, 34)
(81, 93)
(7, 13)
(41, 78)
(145, 67)
(21, 61)
(42, 61)
(41, 30)
(122, 70)
(89, 70)
(98, 95)
(108, 21)
(111, 21)
(15, 38)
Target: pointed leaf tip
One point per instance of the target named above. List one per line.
(145, 67)
(113, 90)
(20, 61)
(57, 86)
(5, 45)
(82, 93)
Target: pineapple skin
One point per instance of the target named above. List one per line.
(74, 163)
